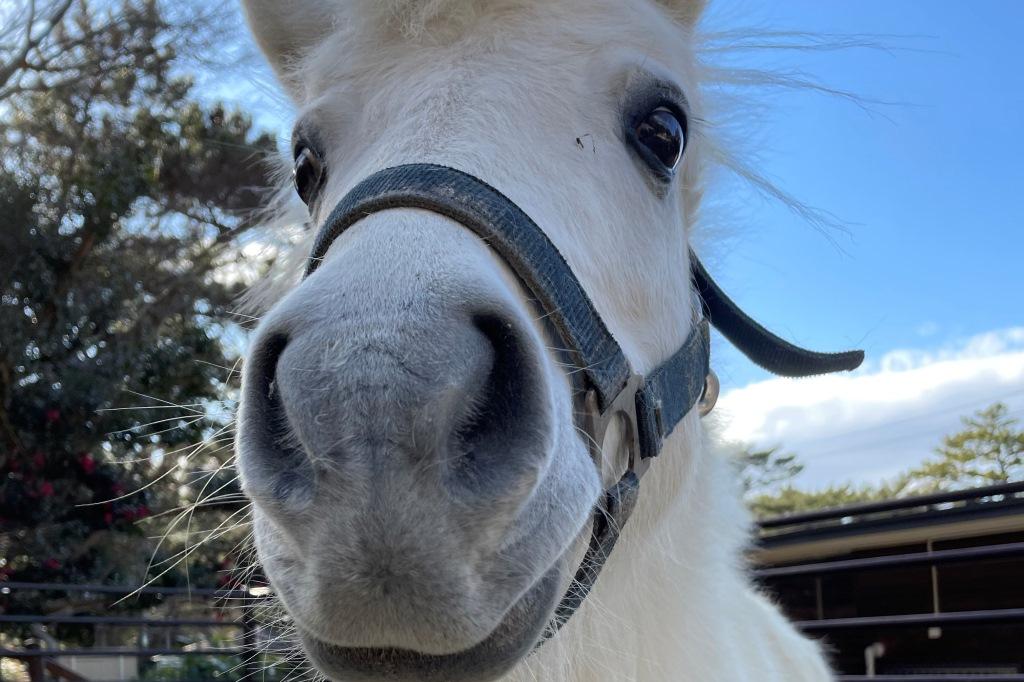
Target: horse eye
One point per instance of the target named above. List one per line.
(308, 174)
(664, 136)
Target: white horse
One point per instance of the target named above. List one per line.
(422, 494)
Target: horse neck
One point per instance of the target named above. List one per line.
(658, 604)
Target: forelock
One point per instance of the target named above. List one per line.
(413, 18)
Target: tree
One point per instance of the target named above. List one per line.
(989, 450)
(767, 478)
(762, 471)
(25, 43)
(121, 196)
(790, 500)
(47, 44)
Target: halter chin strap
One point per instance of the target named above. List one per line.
(647, 407)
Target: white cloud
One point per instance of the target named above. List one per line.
(885, 417)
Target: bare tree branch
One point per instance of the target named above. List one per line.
(19, 60)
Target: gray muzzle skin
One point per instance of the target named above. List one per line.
(646, 408)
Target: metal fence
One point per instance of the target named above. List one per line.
(43, 661)
(938, 511)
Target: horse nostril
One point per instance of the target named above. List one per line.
(275, 465)
(500, 423)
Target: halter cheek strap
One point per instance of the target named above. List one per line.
(648, 407)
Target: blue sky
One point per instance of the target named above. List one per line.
(933, 189)
(931, 185)
(928, 281)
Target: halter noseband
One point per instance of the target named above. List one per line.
(648, 407)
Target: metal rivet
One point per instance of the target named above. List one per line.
(710, 396)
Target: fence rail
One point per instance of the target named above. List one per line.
(980, 677)
(898, 504)
(141, 589)
(41, 660)
(936, 558)
(982, 617)
(809, 583)
(120, 620)
(126, 653)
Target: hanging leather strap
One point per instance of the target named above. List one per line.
(765, 349)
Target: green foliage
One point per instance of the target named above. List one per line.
(790, 499)
(989, 450)
(174, 668)
(120, 196)
(218, 669)
(764, 470)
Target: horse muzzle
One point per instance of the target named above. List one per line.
(397, 426)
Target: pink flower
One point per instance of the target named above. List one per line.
(51, 564)
(87, 463)
(108, 518)
(46, 489)
(52, 415)
(39, 459)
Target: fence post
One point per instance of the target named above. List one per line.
(251, 666)
(36, 668)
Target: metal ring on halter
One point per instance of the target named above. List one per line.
(709, 398)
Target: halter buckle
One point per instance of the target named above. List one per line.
(621, 411)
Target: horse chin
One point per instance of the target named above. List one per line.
(499, 652)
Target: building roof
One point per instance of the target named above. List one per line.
(942, 516)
